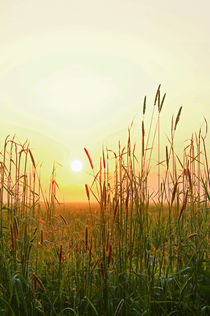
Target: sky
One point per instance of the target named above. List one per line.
(73, 74)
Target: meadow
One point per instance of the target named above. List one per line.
(130, 252)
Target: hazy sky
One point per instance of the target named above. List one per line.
(73, 74)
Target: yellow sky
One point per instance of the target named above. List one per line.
(73, 74)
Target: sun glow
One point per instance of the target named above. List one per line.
(76, 166)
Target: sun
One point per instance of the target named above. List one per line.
(76, 166)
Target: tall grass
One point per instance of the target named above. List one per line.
(139, 252)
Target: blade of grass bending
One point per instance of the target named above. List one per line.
(93, 307)
(119, 307)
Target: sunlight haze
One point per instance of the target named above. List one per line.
(74, 74)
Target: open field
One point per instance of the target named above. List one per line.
(131, 252)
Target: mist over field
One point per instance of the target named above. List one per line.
(104, 158)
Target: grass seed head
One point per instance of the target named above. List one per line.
(90, 161)
(144, 105)
(178, 117)
(87, 192)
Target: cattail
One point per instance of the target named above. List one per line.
(183, 207)
(109, 256)
(86, 238)
(87, 192)
(91, 164)
(178, 117)
(61, 254)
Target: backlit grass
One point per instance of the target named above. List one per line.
(132, 252)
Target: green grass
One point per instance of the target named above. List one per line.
(132, 253)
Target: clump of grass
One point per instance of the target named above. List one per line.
(138, 252)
